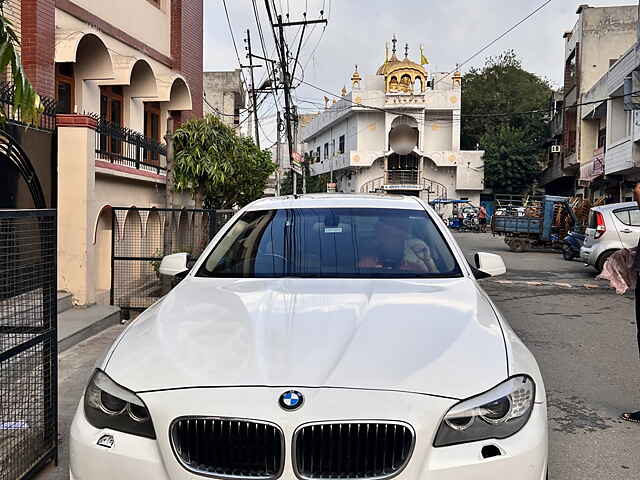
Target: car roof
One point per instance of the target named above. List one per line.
(614, 206)
(337, 200)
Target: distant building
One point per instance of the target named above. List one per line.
(280, 153)
(397, 131)
(224, 96)
(611, 129)
(597, 41)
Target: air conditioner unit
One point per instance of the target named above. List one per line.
(556, 149)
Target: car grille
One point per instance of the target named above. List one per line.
(352, 450)
(225, 447)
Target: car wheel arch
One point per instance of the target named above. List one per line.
(603, 257)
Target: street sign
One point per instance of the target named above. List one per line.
(296, 164)
(331, 187)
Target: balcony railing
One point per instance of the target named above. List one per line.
(402, 177)
(123, 146)
(433, 190)
(45, 120)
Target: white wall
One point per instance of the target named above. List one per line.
(438, 133)
(139, 18)
(370, 132)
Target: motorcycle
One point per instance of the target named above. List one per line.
(571, 245)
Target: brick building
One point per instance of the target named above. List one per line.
(119, 70)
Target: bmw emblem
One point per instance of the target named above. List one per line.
(291, 400)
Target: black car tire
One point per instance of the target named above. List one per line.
(602, 259)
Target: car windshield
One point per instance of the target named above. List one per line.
(332, 243)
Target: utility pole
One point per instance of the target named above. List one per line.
(253, 89)
(278, 153)
(289, 115)
(284, 66)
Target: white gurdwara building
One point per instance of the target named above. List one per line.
(397, 131)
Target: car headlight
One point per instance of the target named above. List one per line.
(108, 405)
(498, 413)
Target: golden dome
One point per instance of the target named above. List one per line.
(403, 76)
(393, 64)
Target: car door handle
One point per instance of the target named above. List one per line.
(626, 230)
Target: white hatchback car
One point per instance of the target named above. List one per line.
(319, 337)
(610, 228)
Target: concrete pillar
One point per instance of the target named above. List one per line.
(76, 207)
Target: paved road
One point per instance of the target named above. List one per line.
(583, 338)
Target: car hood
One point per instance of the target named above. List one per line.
(437, 337)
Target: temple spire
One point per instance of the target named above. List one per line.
(406, 50)
(394, 41)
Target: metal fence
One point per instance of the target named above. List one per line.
(123, 146)
(142, 236)
(28, 342)
(45, 120)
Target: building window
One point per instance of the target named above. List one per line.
(65, 88)
(326, 150)
(341, 144)
(111, 111)
(152, 129)
(602, 139)
(333, 147)
(318, 154)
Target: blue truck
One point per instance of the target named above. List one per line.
(527, 222)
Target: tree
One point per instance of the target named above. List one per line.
(25, 97)
(510, 161)
(495, 97)
(219, 168)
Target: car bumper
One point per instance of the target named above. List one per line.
(523, 455)
(586, 255)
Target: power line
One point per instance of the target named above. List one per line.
(497, 39)
(233, 38)
(478, 115)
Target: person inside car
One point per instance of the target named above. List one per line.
(398, 250)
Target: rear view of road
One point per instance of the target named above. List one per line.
(584, 338)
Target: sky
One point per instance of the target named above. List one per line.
(450, 30)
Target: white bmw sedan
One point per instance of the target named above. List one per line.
(319, 337)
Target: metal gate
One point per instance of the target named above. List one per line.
(142, 236)
(28, 342)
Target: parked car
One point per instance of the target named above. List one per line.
(610, 228)
(322, 336)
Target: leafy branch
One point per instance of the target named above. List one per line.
(25, 98)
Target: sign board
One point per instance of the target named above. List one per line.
(297, 161)
(402, 187)
(331, 187)
(592, 169)
(296, 168)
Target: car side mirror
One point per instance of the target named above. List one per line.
(174, 265)
(489, 265)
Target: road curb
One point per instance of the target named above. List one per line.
(564, 285)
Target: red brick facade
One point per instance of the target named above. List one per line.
(38, 44)
(186, 47)
(78, 121)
